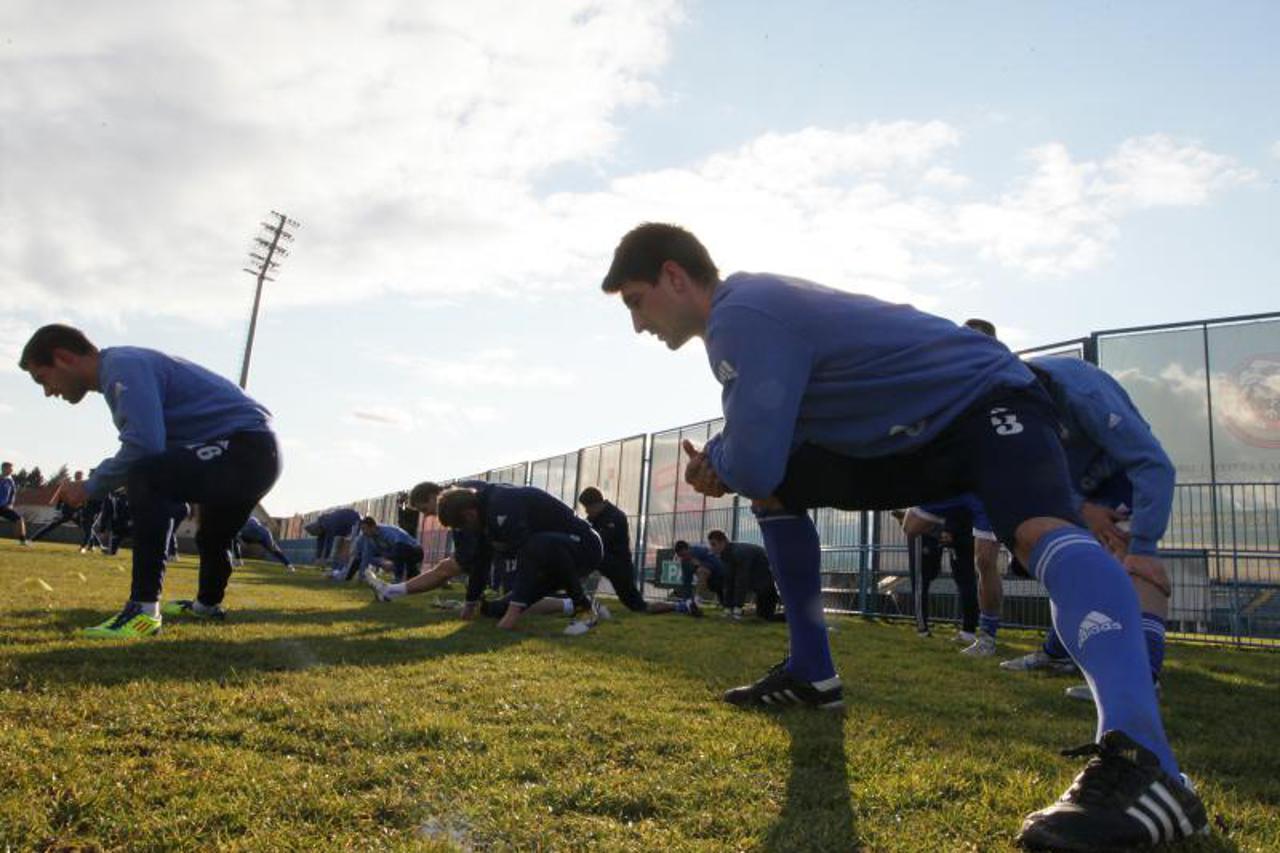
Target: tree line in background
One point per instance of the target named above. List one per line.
(34, 478)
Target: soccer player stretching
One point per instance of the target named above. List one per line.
(186, 434)
(837, 399)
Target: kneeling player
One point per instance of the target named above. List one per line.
(255, 532)
(553, 548)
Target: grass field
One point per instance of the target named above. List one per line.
(317, 719)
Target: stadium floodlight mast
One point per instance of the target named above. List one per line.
(260, 265)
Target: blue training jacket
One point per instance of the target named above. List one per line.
(706, 557)
(337, 522)
(382, 542)
(1106, 435)
(255, 531)
(799, 362)
(8, 491)
(158, 401)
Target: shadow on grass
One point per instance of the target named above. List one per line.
(818, 812)
(203, 653)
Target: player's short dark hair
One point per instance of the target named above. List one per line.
(680, 545)
(717, 536)
(39, 350)
(424, 492)
(6, 464)
(645, 248)
(590, 496)
(369, 521)
(453, 503)
(978, 324)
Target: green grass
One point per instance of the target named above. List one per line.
(317, 719)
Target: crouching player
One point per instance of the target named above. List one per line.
(617, 565)
(837, 399)
(186, 434)
(386, 543)
(553, 549)
(254, 532)
(473, 556)
(1119, 474)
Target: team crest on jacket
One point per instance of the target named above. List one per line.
(1251, 404)
(725, 372)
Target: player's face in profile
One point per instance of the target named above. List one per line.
(659, 310)
(58, 380)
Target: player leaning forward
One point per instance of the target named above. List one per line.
(186, 434)
(837, 399)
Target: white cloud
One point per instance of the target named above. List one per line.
(380, 415)
(1275, 149)
(143, 142)
(1156, 170)
(491, 368)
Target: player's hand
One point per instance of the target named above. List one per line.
(1103, 524)
(468, 612)
(699, 473)
(73, 494)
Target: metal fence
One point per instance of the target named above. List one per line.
(1210, 389)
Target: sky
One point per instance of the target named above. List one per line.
(463, 171)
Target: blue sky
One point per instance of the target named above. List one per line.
(462, 172)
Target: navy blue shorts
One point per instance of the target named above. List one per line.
(1004, 449)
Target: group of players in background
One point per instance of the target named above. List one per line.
(830, 399)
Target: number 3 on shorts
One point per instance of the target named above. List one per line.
(1005, 422)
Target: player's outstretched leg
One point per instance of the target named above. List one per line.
(1131, 793)
(807, 676)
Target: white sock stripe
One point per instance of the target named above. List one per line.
(769, 518)
(1052, 551)
(1183, 822)
(1153, 626)
(827, 683)
(1137, 815)
(1153, 808)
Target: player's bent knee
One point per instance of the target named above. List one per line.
(1152, 574)
(1029, 533)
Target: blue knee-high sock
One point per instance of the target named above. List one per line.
(795, 558)
(1096, 614)
(1053, 645)
(1153, 630)
(989, 623)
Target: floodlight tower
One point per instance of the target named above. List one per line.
(260, 265)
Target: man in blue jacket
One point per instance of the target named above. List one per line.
(332, 529)
(186, 434)
(254, 532)
(836, 399)
(8, 494)
(553, 549)
(1120, 476)
(386, 543)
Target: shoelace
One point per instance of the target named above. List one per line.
(1104, 777)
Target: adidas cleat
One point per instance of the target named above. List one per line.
(780, 689)
(186, 607)
(964, 638)
(129, 623)
(1122, 799)
(1039, 660)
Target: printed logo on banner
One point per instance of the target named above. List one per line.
(1251, 410)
